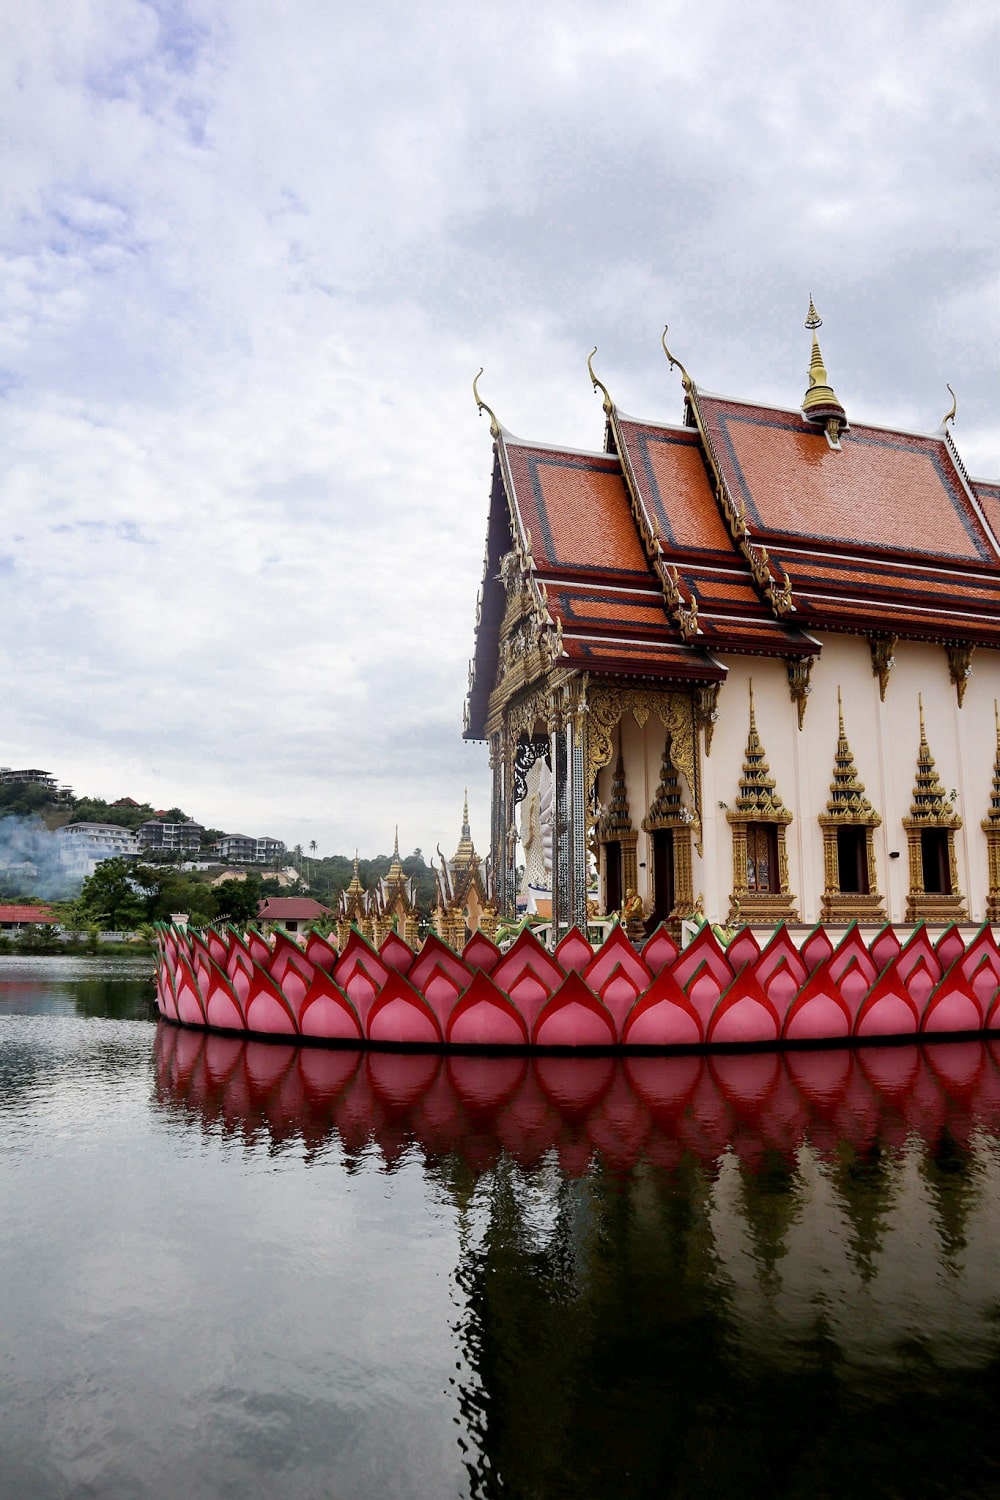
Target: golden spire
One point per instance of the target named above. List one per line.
(666, 804)
(930, 800)
(617, 821)
(993, 816)
(820, 403)
(847, 790)
(757, 786)
(396, 869)
(465, 854)
(355, 888)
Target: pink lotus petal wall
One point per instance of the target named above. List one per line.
(614, 997)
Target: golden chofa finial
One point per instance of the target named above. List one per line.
(686, 380)
(820, 403)
(599, 384)
(481, 404)
(949, 415)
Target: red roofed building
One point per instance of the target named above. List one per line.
(16, 918)
(293, 913)
(751, 659)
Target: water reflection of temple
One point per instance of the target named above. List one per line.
(674, 1274)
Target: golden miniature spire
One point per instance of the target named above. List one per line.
(355, 888)
(993, 816)
(930, 800)
(847, 790)
(617, 821)
(667, 802)
(820, 403)
(465, 853)
(396, 869)
(757, 786)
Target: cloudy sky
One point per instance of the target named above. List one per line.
(252, 255)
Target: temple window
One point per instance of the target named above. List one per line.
(930, 832)
(669, 825)
(613, 892)
(663, 873)
(852, 861)
(618, 839)
(935, 862)
(850, 888)
(760, 859)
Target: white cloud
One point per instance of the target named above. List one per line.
(250, 258)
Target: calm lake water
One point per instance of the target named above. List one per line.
(233, 1268)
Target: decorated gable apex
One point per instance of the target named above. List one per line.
(741, 531)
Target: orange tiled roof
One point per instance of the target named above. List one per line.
(884, 534)
(988, 496)
(882, 492)
(575, 507)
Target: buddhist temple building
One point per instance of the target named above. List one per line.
(747, 664)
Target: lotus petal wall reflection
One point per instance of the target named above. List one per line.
(622, 1108)
(615, 997)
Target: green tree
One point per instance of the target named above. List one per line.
(237, 900)
(110, 898)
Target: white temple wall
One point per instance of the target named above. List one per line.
(884, 738)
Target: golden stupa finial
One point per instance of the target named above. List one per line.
(481, 404)
(840, 711)
(465, 853)
(753, 722)
(820, 403)
(599, 384)
(996, 715)
(686, 381)
(920, 707)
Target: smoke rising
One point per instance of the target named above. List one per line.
(30, 863)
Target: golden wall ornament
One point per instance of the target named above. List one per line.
(799, 672)
(706, 711)
(960, 668)
(607, 704)
(883, 649)
(932, 811)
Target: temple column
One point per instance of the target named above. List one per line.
(562, 853)
(578, 810)
(498, 826)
